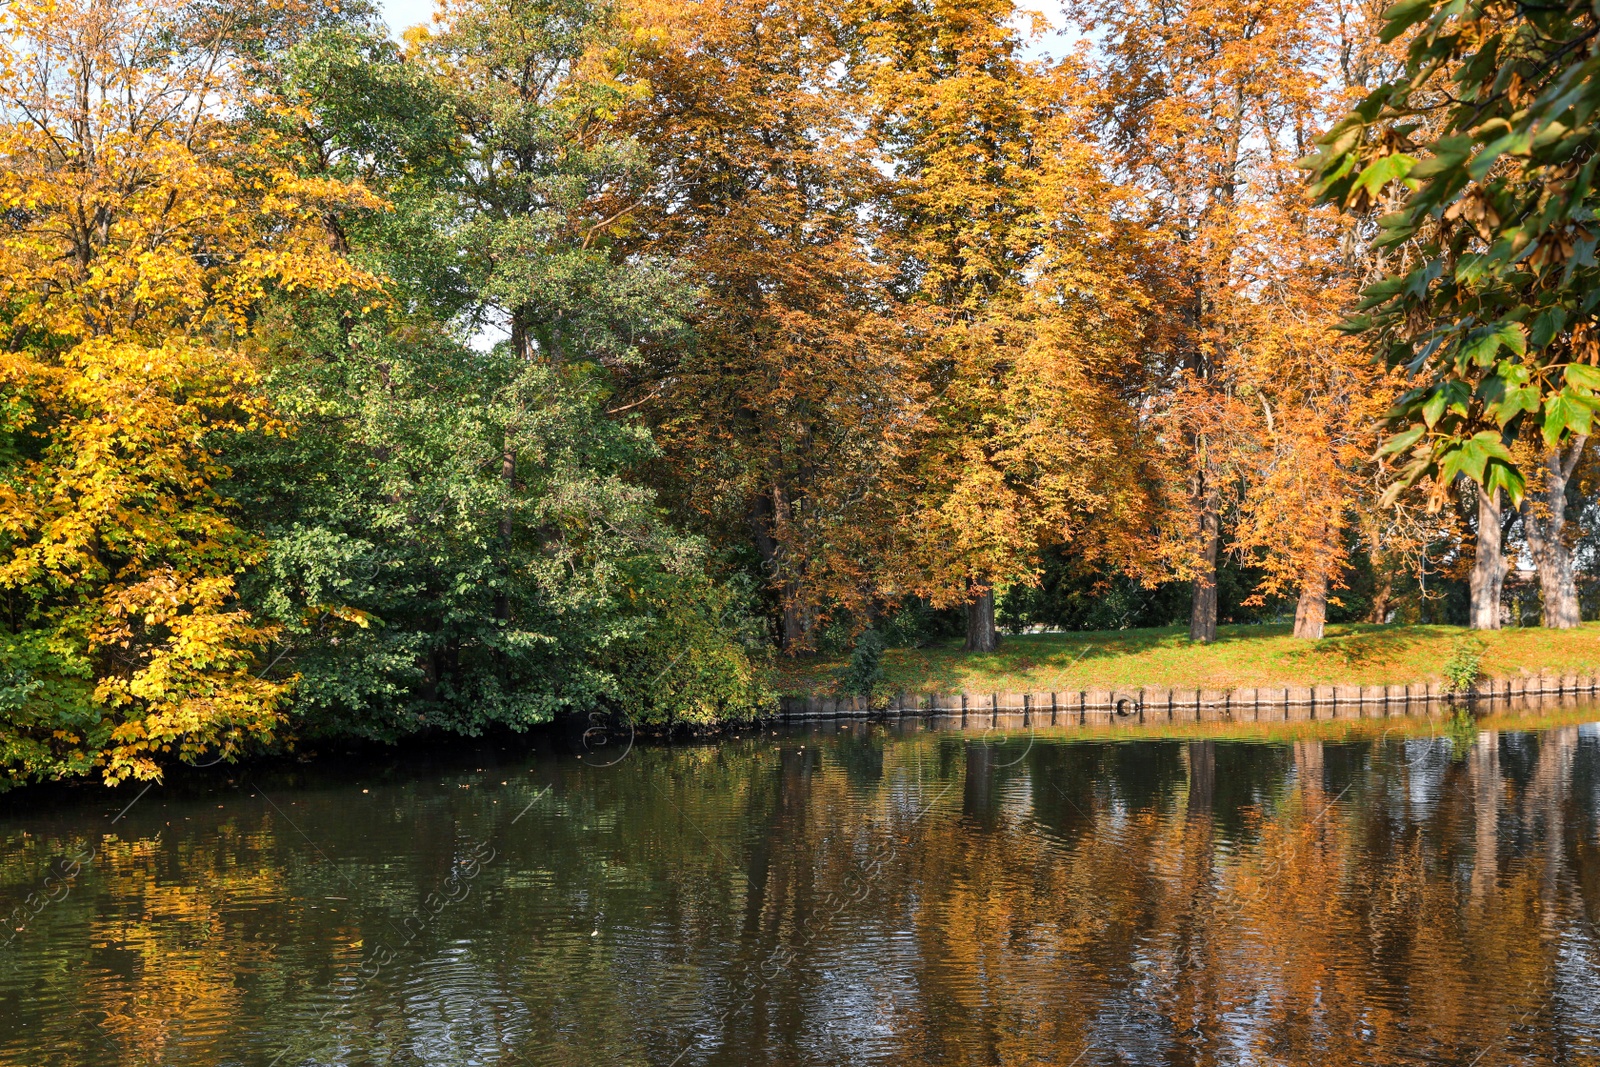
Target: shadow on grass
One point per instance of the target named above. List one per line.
(1363, 645)
(947, 667)
(1033, 660)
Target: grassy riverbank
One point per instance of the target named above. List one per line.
(1243, 656)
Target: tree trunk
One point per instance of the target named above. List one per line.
(1311, 611)
(1489, 566)
(521, 333)
(1544, 523)
(1203, 612)
(1382, 593)
(1383, 570)
(796, 620)
(767, 513)
(508, 474)
(796, 627)
(1422, 588)
(981, 633)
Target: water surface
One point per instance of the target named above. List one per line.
(1362, 895)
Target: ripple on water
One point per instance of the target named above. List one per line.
(864, 899)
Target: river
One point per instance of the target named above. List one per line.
(1423, 891)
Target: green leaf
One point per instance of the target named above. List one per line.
(1379, 291)
(1463, 457)
(1319, 162)
(1515, 336)
(1471, 267)
(1406, 404)
(1426, 354)
(1505, 477)
(1417, 282)
(1343, 138)
(1381, 172)
(1469, 457)
(1433, 408)
(1546, 325)
(1485, 343)
(1564, 412)
(1582, 376)
(1449, 153)
(1370, 108)
(1402, 441)
(1396, 220)
(1512, 403)
(1402, 16)
(1452, 396)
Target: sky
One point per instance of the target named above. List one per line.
(403, 14)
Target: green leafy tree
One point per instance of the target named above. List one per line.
(402, 606)
(1483, 152)
(456, 541)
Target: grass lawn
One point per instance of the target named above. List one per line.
(1242, 656)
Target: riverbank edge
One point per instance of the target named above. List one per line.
(1086, 706)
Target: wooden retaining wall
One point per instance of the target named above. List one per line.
(1098, 706)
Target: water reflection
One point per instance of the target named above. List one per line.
(862, 897)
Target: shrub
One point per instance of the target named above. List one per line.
(863, 675)
(1463, 667)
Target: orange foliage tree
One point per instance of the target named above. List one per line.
(780, 419)
(141, 224)
(1267, 411)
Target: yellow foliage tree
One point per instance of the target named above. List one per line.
(140, 221)
(1024, 293)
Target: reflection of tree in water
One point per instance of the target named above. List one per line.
(1068, 782)
(859, 750)
(979, 803)
(1063, 781)
(821, 900)
(1202, 790)
(1143, 775)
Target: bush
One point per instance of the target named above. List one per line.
(1462, 669)
(699, 652)
(863, 675)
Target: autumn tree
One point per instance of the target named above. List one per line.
(779, 418)
(1017, 274)
(1300, 423)
(1307, 395)
(1206, 108)
(143, 224)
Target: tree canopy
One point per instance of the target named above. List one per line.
(1481, 152)
(567, 359)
